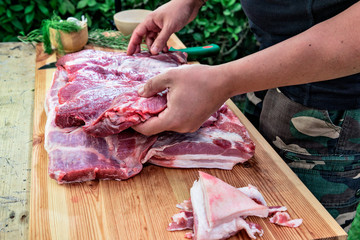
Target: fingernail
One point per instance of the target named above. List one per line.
(141, 91)
(154, 49)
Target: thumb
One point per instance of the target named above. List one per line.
(154, 85)
(161, 40)
(156, 124)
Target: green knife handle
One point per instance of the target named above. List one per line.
(197, 52)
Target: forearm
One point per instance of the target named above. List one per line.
(328, 50)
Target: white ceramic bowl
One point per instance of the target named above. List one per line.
(126, 21)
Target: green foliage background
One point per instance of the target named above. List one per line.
(220, 21)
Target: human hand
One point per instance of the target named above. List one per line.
(161, 23)
(194, 93)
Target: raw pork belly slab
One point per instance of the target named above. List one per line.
(79, 152)
(221, 142)
(101, 90)
(75, 156)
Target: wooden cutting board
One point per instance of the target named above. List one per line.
(141, 207)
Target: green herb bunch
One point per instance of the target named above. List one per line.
(98, 37)
(59, 25)
(108, 38)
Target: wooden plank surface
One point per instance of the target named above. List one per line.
(141, 207)
(17, 75)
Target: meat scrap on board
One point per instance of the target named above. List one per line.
(218, 210)
(81, 131)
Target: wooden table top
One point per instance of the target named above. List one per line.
(17, 77)
(47, 220)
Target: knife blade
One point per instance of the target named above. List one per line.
(48, 65)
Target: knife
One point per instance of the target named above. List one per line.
(48, 65)
(193, 53)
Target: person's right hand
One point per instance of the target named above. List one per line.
(195, 92)
(161, 23)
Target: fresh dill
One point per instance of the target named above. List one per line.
(108, 38)
(59, 25)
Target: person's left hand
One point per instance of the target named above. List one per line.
(158, 26)
(194, 93)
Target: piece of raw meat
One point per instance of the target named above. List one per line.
(219, 211)
(219, 207)
(101, 90)
(221, 142)
(222, 201)
(75, 156)
(181, 221)
(283, 219)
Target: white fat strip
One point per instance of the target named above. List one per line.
(185, 205)
(99, 57)
(178, 217)
(77, 61)
(80, 149)
(150, 63)
(206, 158)
(277, 209)
(226, 163)
(253, 193)
(197, 200)
(283, 219)
(230, 136)
(47, 130)
(47, 104)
